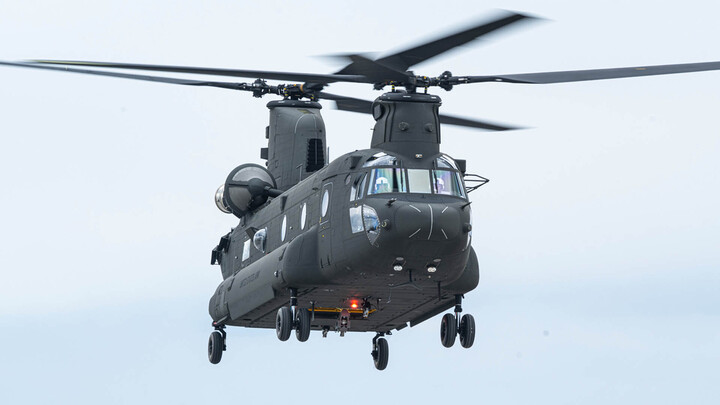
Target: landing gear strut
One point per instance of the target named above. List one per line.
(216, 343)
(381, 351)
(452, 325)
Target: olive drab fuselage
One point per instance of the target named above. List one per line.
(387, 228)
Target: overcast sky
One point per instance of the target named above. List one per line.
(597, 235)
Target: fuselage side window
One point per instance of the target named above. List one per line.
(303, 215)
(246, 250)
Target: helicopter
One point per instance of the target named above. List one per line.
(376, 240)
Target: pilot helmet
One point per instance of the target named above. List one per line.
(382, 185)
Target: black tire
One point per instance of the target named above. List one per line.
(302, 330)
(467, 331)
(381, 354)
(448, 330)
(216, 344)
(283, 323)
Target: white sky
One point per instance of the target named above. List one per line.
(597, 236)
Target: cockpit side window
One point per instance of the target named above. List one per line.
(361, 186)
(387, 180)
(447, 182)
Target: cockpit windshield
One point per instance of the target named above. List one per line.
(387, 180)
(395, 180)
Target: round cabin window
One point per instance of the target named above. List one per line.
(325, 202)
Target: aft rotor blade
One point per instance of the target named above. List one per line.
(256, 74)
(225, 85)
(587, 75)
(420, 53)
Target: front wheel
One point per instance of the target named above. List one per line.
(448, 330)
(381, 354)
(283, 323)
(302, 331)
(216, 344)
(467, 331)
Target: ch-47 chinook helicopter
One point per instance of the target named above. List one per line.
(377, 239)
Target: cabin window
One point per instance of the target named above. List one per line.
(260, 239)
(283, 228)
(356, 219)
(246, 250)
(447, 182)
(419, 181)
(303, 215)
(325, 202)
(387, 180)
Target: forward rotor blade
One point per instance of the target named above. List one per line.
(592, 74)
(365, 107)
(348, 103)
(471, 123)
(372, 70)
(420, 53)
(256, 74)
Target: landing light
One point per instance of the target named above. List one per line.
(431, 269)
(397, 267)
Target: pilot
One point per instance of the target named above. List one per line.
(382, 185)
(440, 186)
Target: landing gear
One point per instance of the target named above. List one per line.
(302, 325)
(284, 323)
(381, 352)
(467, 331)
(216, 344)
(292, 317)
(448, 330)
(452, 325)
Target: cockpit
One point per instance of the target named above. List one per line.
(443, 179)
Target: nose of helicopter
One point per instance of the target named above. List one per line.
(429, 221)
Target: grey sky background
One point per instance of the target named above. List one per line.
(597, 236)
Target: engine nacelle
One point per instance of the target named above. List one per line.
(246, 189)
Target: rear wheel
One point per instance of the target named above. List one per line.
(381, 354)
(283, 323)
(216, 344)
(467, 331)
(448, 330)
(302, 331)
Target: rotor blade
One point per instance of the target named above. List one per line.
(261, 74)
(471, 123)
(372, 70)
(225, 85)
(592, 74)
(348, 103)
(420, 53)
(365, 107)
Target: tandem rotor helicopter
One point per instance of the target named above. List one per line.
(374, 241)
